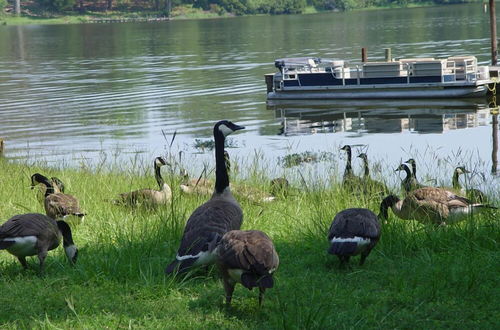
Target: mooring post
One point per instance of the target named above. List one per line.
(1, 146)
(388, 55)
(493, 28)
(364, 56)
(494, 150)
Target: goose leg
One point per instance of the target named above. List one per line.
(22, 260)
(229, 288)
(41, 256)
(343, 260)
(261, 295)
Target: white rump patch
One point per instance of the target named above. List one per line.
(225, 130)
(70, 251)
(23, 246)
(356, 239)
(203, 258)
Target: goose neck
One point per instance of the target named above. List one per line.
(221, 175)
(455, 182)
(158, 176)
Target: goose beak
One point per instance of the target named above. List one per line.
(238, 127)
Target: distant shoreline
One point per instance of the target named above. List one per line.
(144, 16)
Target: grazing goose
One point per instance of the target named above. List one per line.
(371, 184)
(350, 180)
(474, 195)
(409, 183)
(34, 234)
(58, 205)
(247, 257)
(353, 231)
(56, 183)
(431, 205)
(211, 220)
(146, 196)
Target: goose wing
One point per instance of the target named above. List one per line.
(355, 222)
(30, 224)
(204, 229)
(250, 250)
(209, 220)
(61, 204)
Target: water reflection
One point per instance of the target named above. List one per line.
(379, 116)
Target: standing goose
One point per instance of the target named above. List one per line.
(409, 183)
(371, 184)
(350, 180)
(431, 205)
(58, 205)
(211, 220)
(34, 234)
(146, 196)
(353, 231)
(474, 195)
(247, 257)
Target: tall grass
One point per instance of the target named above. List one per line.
(416, 277)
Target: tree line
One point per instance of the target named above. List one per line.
(221, 7)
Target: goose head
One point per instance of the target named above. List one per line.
(57, 183)
(461, 170)
(160, 161)
(37, 179)
(226, 127)
(346, 148)
(387, 202)
(411, 161)
(402, 167)
(363, 156)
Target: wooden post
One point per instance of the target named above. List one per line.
(493, 28)
(494, 151)
(364, 56)
(1, 146)
(388, 55)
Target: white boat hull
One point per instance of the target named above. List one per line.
(380, 92)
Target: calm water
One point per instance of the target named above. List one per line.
(94, 93)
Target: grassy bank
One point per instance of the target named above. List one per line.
(416, 277)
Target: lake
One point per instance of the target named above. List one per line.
(93, 94)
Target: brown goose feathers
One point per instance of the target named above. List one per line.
(247, 257)
(34, 234)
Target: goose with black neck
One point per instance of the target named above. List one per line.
(211, 220)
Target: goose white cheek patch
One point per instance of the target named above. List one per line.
(225, 130)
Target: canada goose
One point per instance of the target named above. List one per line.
(58, 205)
(350, 180)
(146, 196)
(369, 183)
(474, 195)
(279, 187)
(409, 183)
(211, 220)
(56, 183)
(34, 234)
(247, 257)
(353, 231)
(431, 205)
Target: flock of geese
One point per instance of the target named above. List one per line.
(212, 232)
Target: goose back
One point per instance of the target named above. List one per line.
(247, 257)
(353, 231)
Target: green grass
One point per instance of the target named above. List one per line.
(416, 277)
